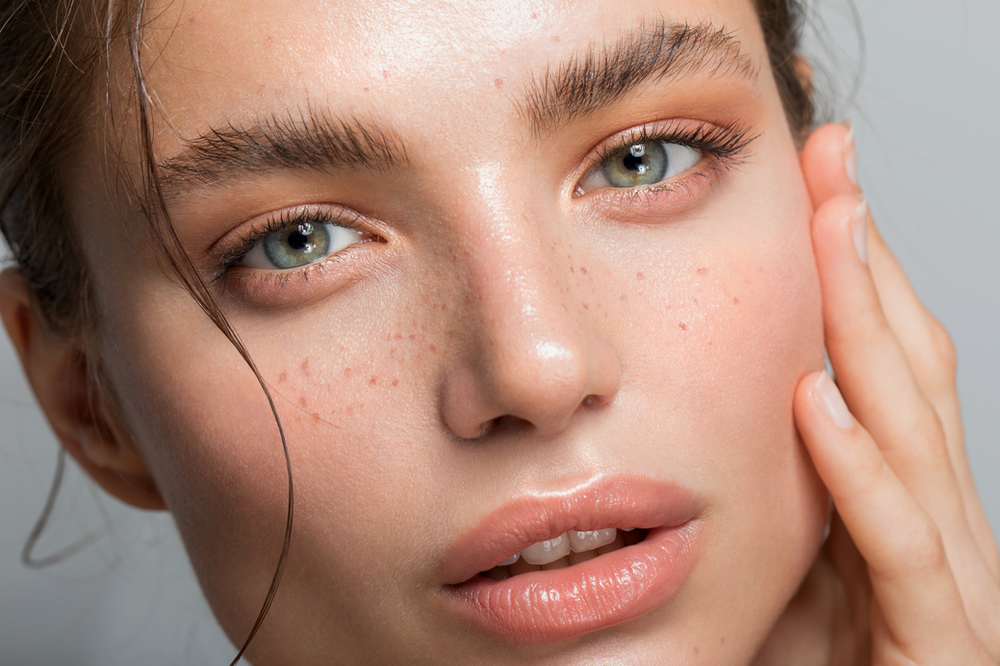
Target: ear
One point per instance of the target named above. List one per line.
(82, 418)
(804, 73)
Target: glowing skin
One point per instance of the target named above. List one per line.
(499, 335)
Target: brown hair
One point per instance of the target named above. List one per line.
(52, 50)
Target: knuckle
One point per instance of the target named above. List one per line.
(922, 551)
(943, 349)
(930, 433)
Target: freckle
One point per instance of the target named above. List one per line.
(397, 337)
(624, 297)
(696, 649)
(498, 83)
(305, 366)
(640, 276)
(583, 270)
(556, 38)
(571, 270)
(736, 301)
(282, 377)
(373, 381)
(348, 372)
(433, 349)
(586, 307)
(702, 271)
(392, 351)
(683, 326)
(302, 402)
(385, 73)
(413, 336)
(395, 382)
(722, 641)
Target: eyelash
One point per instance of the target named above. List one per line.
(726, 145)
(233, 256)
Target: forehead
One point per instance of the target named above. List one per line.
(414, 61)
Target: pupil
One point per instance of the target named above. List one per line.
(297, 240)
(633, 163)
(635, 160)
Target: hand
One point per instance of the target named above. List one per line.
(917, 565)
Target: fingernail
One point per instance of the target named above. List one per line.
(850, 155)
(859, 229)
(827, 396)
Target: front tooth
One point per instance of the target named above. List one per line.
(592, 540)
(510, 560)
(544, 552)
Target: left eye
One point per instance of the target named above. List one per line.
(640, 165)
(300, 244)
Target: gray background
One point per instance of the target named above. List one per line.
(928, 141)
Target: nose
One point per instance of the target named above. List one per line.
(533, 357)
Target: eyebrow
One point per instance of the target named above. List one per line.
(603, 74)
(594, 78)
(310, 139)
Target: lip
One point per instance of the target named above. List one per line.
(554, 605)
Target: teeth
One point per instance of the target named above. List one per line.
(583, 541)
(544, 552)
(510, 560)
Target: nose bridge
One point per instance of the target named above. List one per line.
(534, 355)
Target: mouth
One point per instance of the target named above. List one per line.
(569, 548)
(553, 566)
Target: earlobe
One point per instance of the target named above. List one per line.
(80, 414)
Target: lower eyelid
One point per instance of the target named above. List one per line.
(661, 199)
(302, 285)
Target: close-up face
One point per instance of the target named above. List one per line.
(513, 273)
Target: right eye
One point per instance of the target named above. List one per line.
(300, 244)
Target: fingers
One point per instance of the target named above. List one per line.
(828, 166)
(871, 366)
(916, 593)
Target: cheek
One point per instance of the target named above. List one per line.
(351, 405)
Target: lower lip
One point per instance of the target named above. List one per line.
(546, 606)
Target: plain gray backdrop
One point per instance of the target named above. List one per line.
(928, 141)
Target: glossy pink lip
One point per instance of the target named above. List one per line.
(555, 605)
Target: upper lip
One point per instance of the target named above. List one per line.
(619, 502)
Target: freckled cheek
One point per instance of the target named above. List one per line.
(726, 338)
(352, 411)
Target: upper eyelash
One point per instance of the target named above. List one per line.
(285, 218)
(726, 143)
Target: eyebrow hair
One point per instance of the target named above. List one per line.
(603, 74)
(315, 140)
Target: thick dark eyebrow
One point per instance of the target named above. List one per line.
(603, 74)
(310, 140)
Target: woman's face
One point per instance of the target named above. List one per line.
(508, 269)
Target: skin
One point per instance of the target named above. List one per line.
(678, 337)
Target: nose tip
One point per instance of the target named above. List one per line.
(540, 385)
